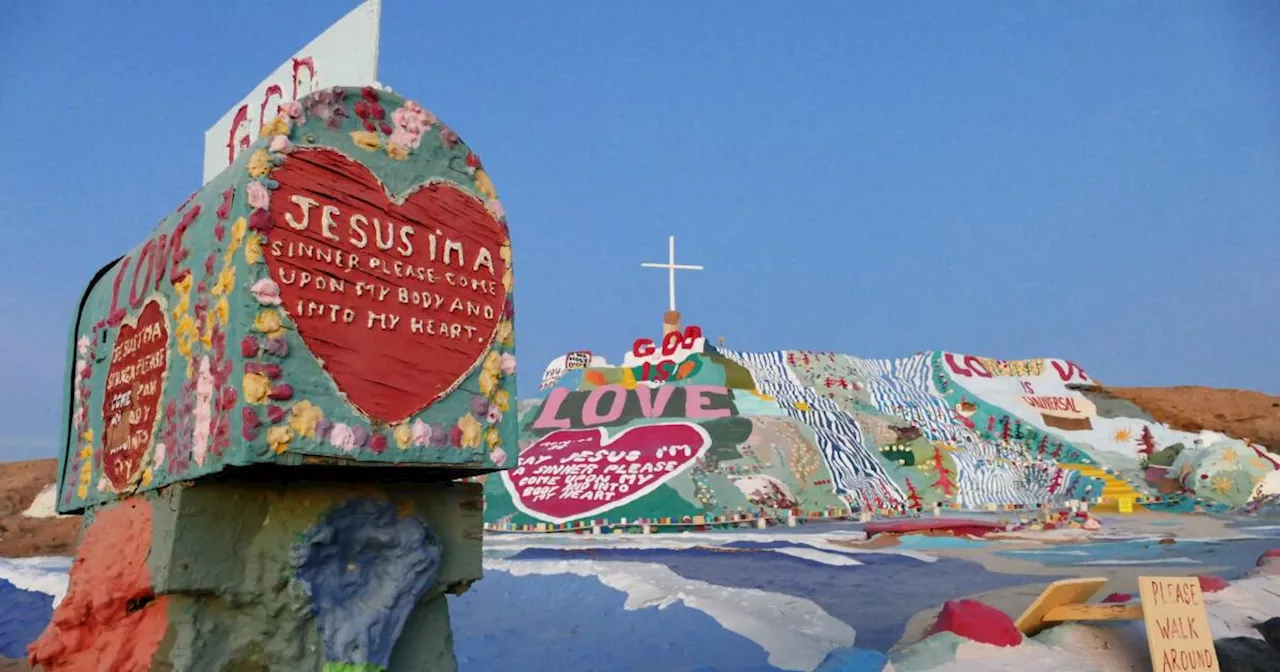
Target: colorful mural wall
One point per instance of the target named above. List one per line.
(684, 433)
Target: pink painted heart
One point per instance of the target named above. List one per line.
(131, 400)
(398, 296)
(578, 473)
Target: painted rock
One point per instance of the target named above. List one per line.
(1212, 584)
(849, 659)
(341, 294)
(979, 622)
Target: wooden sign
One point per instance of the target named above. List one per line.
(1177, 624)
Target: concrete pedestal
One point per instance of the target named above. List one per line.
(251, 576)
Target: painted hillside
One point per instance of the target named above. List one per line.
(684, 432)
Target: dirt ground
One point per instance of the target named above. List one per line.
(20, 536)
(1246, 415)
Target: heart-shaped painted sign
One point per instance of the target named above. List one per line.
(577, 473)
(131, 404)
(398, 296)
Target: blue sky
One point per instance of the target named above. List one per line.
(1098, 181)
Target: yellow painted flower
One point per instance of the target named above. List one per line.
(222, 310)
(488, 383)
(259, 164)
(484, 184)
(492, 363)
(502, 399)
(404, 436)
(85, 452)
(762, 396)
(504, 332)
(268, 322)
(87, 435)
(276, 126)
(303, 418)
(82, 491)
(226, 281)
(237, 234)
(505, 251)
(493, 438)
(508, 279)
(253, 249)
(187, 334)
(278, 438)
(146, 477)
(1259, 464)
(256, 388)
(802, 406)
(471, 431)
(1230, 455)
(1220, 485)
(366, 140)
(1123, 435)
(397, 151)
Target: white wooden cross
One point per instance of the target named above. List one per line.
(672, 267)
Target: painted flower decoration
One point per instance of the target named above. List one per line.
(266, 291)
(280, 144)
(278, 438)
(471, 431)
(259, 164)
(343, 437)
(268, 322)
(329, 105)
(257, 195)
(257, 388)
(303, 418)
(293, 110)
(494, 416)
(493, 438)
(479, 407)
(276, 126)
(504, 333)
(403, 436)
(484, 184)
(508, 365)
(420, 433)
(397, 152)
(366, 140)
(502, 400)
(410, 122)
(498, 455)
(253, 250)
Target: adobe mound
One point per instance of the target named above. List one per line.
(696, 435)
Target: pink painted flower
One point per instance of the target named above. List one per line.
(410, 122)
(258, 196)
(342, 436)
(494, 416)
(378, 443)
(292, 110)
(203, 412)
(498, 455)
(266, 291)
(421, 433)
(159, 454)
(280, 144)
(508, 365)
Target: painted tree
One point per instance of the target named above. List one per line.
(1147, 441)
(991, 424)
(1056, 483)
(1057, 451)
(944, 482)
(1005, 434)
(1044, 446)
(913, 497)
(1017, 430)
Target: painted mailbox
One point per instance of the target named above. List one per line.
(342, 294)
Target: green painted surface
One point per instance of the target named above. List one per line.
(223, 556)
(200, 428)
